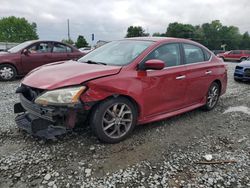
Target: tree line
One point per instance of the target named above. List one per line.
(213, 35)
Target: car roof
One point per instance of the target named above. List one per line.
(156, 39)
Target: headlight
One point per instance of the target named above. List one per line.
(65, 96)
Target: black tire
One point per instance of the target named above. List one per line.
(108, 124)
(7, 72)
(213, 96)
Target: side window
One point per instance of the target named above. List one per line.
(42, 47)
(207, 55)
(60, 48)
(236, 52)
(193, 54)
(68, 49)
(169, 53)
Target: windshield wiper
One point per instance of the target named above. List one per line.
(94, 62)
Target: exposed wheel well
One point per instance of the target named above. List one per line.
(118, 95)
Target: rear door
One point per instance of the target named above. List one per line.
(61, 52)
(165, 90)
(199, 73)
(38, 54)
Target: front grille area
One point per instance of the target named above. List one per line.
(28, 92)
(238, 75)
(42, 112)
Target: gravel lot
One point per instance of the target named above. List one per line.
(161, 154)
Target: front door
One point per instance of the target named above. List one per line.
(165, 90)
(37, 55)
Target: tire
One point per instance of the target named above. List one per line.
(7, 72)
(109, 121)
(213, 96)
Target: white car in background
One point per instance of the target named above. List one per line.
(86, 49)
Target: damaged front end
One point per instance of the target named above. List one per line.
(46, 117)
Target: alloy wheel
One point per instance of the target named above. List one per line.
(213, 96)
(117, 120)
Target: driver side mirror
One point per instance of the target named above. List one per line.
(154, 64)
(26, 52)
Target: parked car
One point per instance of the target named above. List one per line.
(86, 49)
(26, 56)
(119, 85)
(218, 51)
(242, 71)
(235, 55)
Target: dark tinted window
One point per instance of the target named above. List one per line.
(169, 53)
(236, 52)
(193, 54)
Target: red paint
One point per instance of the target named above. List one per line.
(157, 93)
(27, 62)
(235, 55)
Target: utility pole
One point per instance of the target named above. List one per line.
(68, 30)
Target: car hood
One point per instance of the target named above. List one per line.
(62, 74)
(245, 64)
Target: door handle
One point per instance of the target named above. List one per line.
(180, 77)
(208, 72)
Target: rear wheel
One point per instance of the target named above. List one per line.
(212, 96)
(7, 72)
(114, 119)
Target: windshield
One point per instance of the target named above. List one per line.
(117, 53)
(20, 47)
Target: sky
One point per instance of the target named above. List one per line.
(109, 19)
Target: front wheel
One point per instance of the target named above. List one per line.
(212, 96)
(114, 119)
(7, 72)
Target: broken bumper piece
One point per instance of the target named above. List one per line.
(38, 127)
(46, 122)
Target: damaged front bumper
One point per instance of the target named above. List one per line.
(46, 122)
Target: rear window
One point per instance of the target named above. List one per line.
(207, 55)
(193, 54)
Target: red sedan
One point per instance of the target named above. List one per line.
(26, 56)
(119, 85)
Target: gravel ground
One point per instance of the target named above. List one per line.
(162, 154)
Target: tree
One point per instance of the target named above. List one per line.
(13, 29)
(245, 41)
(81, 42)
(68, 41)
(136, 31)
(157, 34)
(180, 30)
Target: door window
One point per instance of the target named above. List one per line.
(61, 48)
(169, 53)
(193, 54)
(42, 47)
